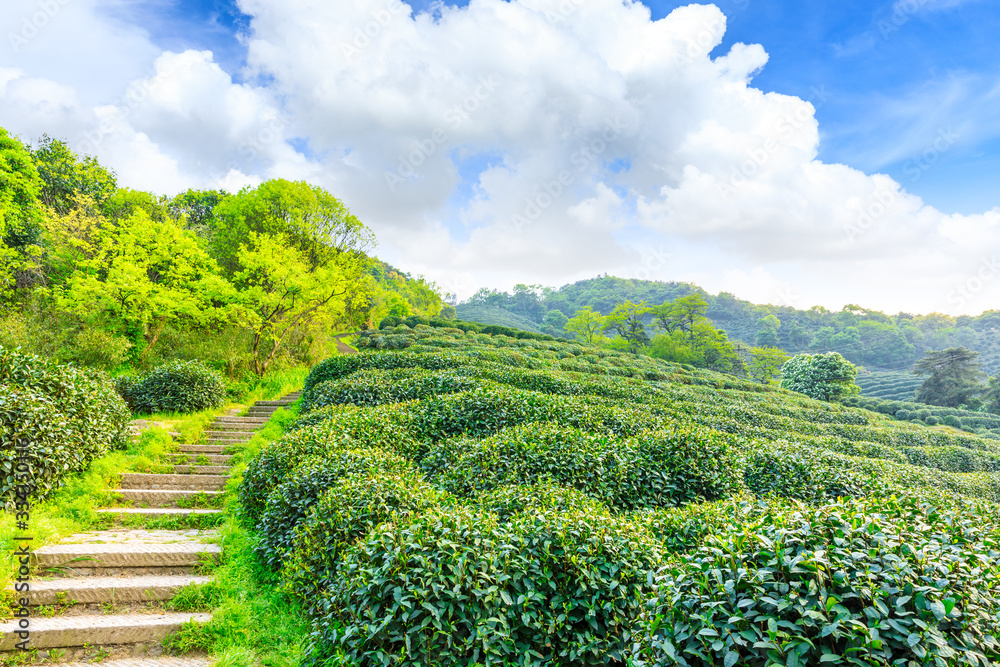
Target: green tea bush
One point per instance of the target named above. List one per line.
(663, 468)
(177, 386)
(63, 416)
(507, 501)
(932, 420)
(288, 504)
(455, 586)
(867, 582)
(953, 421)
(346, 512)
(377, 387)
(804, 473)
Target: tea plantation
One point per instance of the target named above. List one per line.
(455, 498)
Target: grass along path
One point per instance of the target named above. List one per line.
(119, 592)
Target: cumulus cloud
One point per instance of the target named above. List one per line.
(534, 140)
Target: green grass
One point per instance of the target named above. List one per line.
(253, 623)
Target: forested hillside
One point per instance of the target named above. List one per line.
(866, 337)
(105, 276)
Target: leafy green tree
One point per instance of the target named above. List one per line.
(297, 257)
(587, 325)
(680, 315)
(626, 320)
(766, 363)
(953, 378)
(140, 276)
(67, 176)
(991, 395)
(20, 212)
(197, 209)
(556, 320)
(825, 377)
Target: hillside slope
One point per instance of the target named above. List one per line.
(484, 500)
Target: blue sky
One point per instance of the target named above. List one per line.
(881, 192)
(888, 78)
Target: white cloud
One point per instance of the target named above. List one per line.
(530, 140)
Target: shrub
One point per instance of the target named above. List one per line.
(663, 468)
(177, 386)
(953, 421)
(58, 402)
(932, 420)
(346, 512)
(801, 585)
(807, 474)
(903, 415)
(377, 387)
(288, 503)
(454, 586)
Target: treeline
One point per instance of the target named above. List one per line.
(864, 336)
(106, 276)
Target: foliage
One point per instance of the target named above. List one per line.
(892, 385)
(178, 386)
(809, 586)
(59, 417)
(626, 320)
(20, 212)
(67, 176)
(953, 378)
(586, 325)
(825, 377)
(766, 363)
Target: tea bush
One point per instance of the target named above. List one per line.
(288, 503)
(62, 416)
(455, 586)
(869, 582)
(177, 386)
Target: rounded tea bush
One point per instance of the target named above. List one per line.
(884, 581)
(67, 416)
(931, 420)
(457, 586)
(178, 386)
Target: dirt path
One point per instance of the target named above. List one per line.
(342, 347)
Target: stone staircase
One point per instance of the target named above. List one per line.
(100, 595)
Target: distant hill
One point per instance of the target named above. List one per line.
(870, 338)
(498, 316)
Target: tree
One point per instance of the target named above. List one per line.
(991, 396)
(626, 320)
(20, 212)
(140, 276)
(67, 176)
(825, 377)
(680, 314)
(766, 363)
(586, 325)
(953, 378)
(556, 320)
(297, 257)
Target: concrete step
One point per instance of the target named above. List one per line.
(201, 470)
(145, 662)
(236, 428)
(202, 449)
(130, 554)
(192, 459)
(236, 436)
(158, 511)
(133, 480)
(240, 421)
(162, 497)
(68, 631)
(89, 590)
(280, 403)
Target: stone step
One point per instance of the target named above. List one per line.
(69, 631)
(131, 554)
(237, 436)
(202, 449)
(201, 470)
(162, 497)
(145, 662)
(261, 412)
(133, 480)
(89, 590)
(192, 459)
(158, 511)
(235, 428)
(280, 403)
(240, 421)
